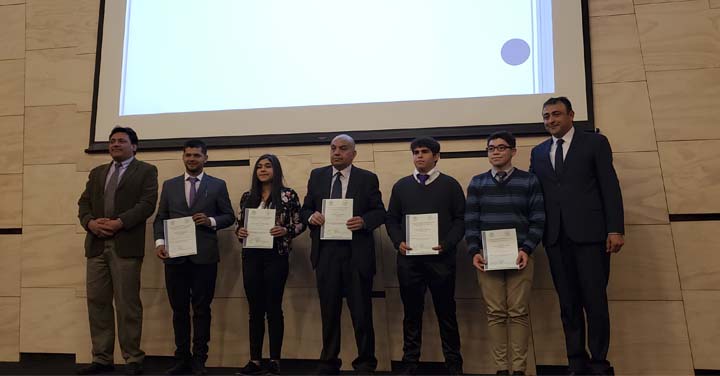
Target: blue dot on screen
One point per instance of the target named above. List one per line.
(515, 51)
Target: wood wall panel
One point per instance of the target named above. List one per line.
(615, 49)
(9, 329)
(62, 23)
(59, 207)
(55, 134)
(52, 320)
(685, 105)
(11, 193)
(610, 7)
(623, 114)
(11, 154)
(697, 258)
(691, 175)
(678, 35)
(12, 32)
(10, 257)
(701, 309)
(53, 256)
(12, 91)
(59, 77)
(642, 187)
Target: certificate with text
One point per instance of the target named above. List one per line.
(421, 233)
(180, 237)
(258, 223)
(500, 249)
(336, 212)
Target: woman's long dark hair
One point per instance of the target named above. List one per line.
(256, 185)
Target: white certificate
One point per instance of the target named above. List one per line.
(421, 232)
(258, 223)
(500, 249)
(180, 237)
(337, 212)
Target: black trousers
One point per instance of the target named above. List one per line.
(580, 273)
(189, 285)
(416, 274)
(337, 278)
(264, 275)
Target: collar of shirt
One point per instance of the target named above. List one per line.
(345, 172)
(199, 177)
(432, 175)
(567, 138)
(124, 163)
(509, 171)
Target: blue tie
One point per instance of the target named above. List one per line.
(423, 178)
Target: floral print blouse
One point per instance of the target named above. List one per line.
(286, 215)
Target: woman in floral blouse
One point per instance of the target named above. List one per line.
(265, 271)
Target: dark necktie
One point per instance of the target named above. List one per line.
(423, 178)
(193, 180)
(500, 176)
(110, 189)
(559, 156)
(337, 186)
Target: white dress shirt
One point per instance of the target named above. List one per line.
(566, 145)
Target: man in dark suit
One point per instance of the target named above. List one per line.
(345, 268)
(584, 226)
(190, 280)
(118, 199)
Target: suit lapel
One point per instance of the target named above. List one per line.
(132, 167)
(545, 157)
(352, 183)
(201, 192)
(326, 182)
(575, 146)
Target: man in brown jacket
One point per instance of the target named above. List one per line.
(113, 209)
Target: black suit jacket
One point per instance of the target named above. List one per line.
(212, 199)
(135, 200)
(363, 188)
(585, 199)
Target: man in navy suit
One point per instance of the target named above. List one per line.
(584, 225)
(190, 280)
(345, 268)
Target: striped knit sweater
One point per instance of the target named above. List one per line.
(515, 203)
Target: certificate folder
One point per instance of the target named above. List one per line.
(500, 249)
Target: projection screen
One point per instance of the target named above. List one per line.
(262, 72)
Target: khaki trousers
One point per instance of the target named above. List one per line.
(108, 277)
(507, 295)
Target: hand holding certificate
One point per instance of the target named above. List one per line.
(500, 249)
(258, 223)
(421, 232)
(337, 212)
(180, 237)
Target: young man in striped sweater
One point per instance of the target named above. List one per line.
(503, 198)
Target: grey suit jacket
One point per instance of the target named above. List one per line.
(212, 199)
(135, 200)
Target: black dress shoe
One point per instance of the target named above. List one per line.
(408, 368)
(518, 373)
(273, 367)
(183, 367)
(328, 369)
(96, 369)
(454, 369)
(503, 372)
(252, 368)
(198, 368)
(133, 368)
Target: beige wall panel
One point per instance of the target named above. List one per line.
(51, 193)
(615, 48)
(470, 144)
(9, 329)
(12, 32)
(157, 336)
(697, 258)
(649, 338)
(714, 3)
(679, 35)
(52, 320)
(691, 189)
(547, 328)
(12, 90)
(685, 105)
(55, 134)
(237, 179)
(302, 273)
(153, 269)
(11, 201)
(701, 310)
(642, 187)
(11, 2)
(53, 256)
(645, 269)
(622, 113)
(229, 343)
(10, 258)
(59, 77)
(62, 23)
(89, 161)
(610, 7)
(229, 280)
(11, 155)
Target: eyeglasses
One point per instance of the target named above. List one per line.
(491, 149)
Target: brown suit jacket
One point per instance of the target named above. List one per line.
(135, 201)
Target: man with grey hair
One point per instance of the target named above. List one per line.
(345, 268)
